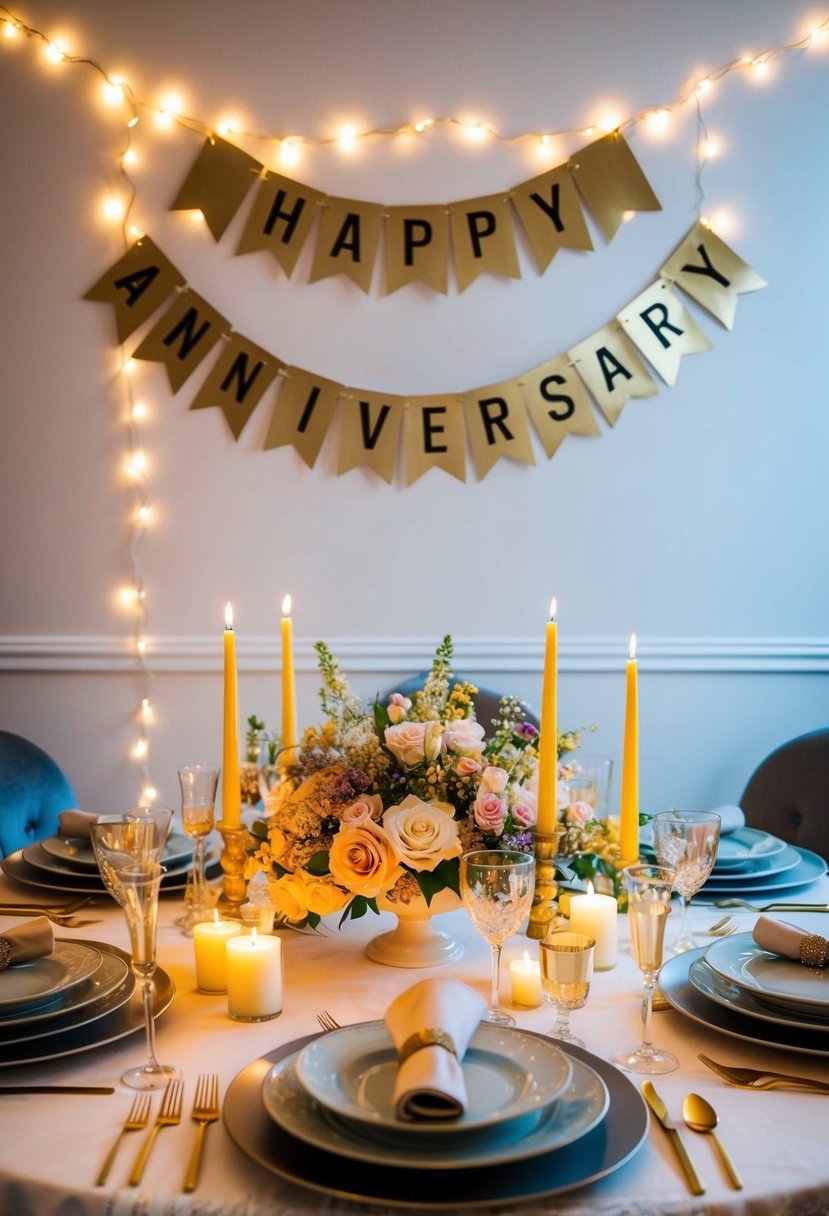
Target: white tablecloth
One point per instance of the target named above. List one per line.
(52, 1146)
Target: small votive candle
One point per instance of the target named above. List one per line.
(596, 915)
(254, 978)
(210, 940)
(525, 981)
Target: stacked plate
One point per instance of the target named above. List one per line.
(737, 987)
(539, 1120)
(78, 997)
(67, 863)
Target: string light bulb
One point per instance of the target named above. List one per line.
(290, 150)
(148, 794)
(141, 748)
(11, 30)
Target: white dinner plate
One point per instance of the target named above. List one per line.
(26, 985)
(768, 976)
(508, 1073)
(576, 1111)
(807, 868)
(712, 985)
(110, 974)
(75, 851)
(108, 989)
(676, 987)
(599, 1153)
(744, 848)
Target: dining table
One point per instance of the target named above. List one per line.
(52, 1144)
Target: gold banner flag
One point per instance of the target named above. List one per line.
(608, 364)
(136, 285)
(558, 403)
(347, 241)
(237, 381)
(496, 422)
(663, 329)
(711, 273)
(369, 432)
(217, 183)
(483, 239)
(303, 413)
(181, 338)
(417, 247)
(280, 220)
(434, 436)
(550, 211)
(611, 182)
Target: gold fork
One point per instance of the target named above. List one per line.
(755, 1078)
(136, 1120)
(205, 1110)
(168, 1116)
(326, 1021)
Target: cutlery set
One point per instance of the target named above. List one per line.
(205, 1111)
(701, 1117)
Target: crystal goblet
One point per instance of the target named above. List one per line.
(198, 798)
(497, 891)
(566, 968)
(136, 835)
(649, 890)
(687, 842)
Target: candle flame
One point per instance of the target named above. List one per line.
(253, 936)
(553, 608)
(526, 958)
(215, 916)
(589, 887)
(228, 615)
(632, 646)
(286, 606)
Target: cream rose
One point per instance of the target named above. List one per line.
(465, 737)
(494, 780)
(432, 741)
(363, 860)
(422, 833)
(579, 813)
(362, 810)
(406, 742)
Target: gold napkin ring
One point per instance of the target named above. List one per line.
(814, 950)
(5, 954)
(431, 1036)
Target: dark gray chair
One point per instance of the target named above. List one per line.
(788, 794)
(33, 791)
(486, 701)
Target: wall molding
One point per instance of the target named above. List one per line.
(478, 655)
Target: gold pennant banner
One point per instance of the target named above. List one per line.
(607, 174)
(608, 369)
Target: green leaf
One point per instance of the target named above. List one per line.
(259, 829)
(381, 719)
(317, 863)
(358, 907)
(446, 875)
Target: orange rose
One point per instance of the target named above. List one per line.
(363, 860)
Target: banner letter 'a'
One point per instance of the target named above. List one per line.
(483, 239)
(611, 182)
(136, 285)
(182, 337)
(711, 273)
(369, 432)
(237, 382)
(347, 241)
(304, 412)
(434, 436)
(217, 183)
(608, 364)
(496, 422)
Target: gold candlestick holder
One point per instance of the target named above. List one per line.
(235, 843)
(544, 908)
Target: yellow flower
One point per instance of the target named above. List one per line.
(363, 860)
(322, 895)
(289, 896)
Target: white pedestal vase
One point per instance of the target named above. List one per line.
(415, 942)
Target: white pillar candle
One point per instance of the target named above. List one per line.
(525, 981)
(596, 915)
(209, 942)
(254, 978)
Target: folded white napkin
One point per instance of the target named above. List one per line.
(33, 939)
(731, 818)
(790, 941)
(430, 1025)
(76, 823)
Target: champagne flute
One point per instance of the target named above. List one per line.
(687, 842)
(497, 891)
(566, 968)
(136, 835)
(649, 891)
(198, 796)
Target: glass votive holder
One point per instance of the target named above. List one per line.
(254, 978)
(258, 916)
(210, 938)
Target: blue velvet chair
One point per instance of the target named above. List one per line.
(33, 791)
(788, 794)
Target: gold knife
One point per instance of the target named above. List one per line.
(661, 1111)
(56, 1089)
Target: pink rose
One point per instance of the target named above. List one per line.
(525, 807)
(579, 813)
(363, 810)
(397, 698)
(489, 812)
(464, 766)
(406, 742)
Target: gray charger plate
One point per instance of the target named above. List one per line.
(600, 1152)
(17, 867)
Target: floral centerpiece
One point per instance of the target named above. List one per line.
(384, 799)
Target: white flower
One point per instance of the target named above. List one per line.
(579, 813)
(465, 737)
(422, 833)
(493, 779)
(406, 742)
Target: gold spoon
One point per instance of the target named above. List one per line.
(701, 1117)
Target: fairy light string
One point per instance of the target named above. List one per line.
(289, 147)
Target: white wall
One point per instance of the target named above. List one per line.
(698, 520)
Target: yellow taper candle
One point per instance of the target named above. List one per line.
(629, 807)
(548, 740)
(231, 792)
(289, 736)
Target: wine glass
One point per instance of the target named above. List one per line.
(198, 796)
(497, 891)
(566, 968)
(590, 781)
(136, 835)
(649, 891)
(686, 842)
